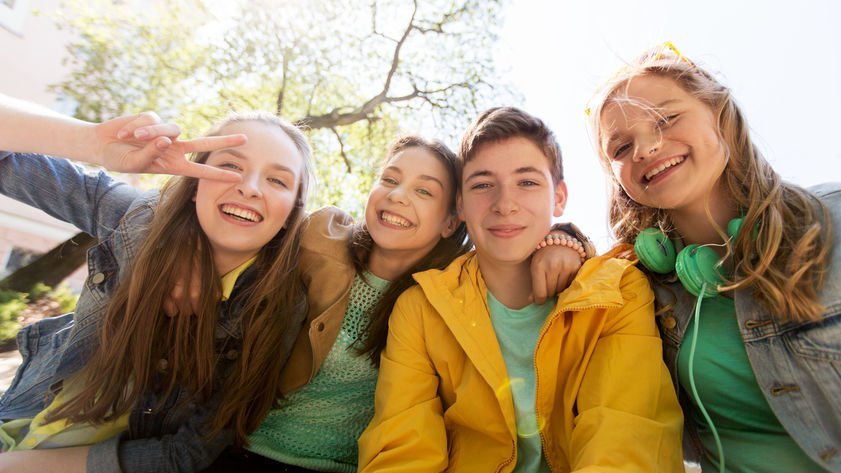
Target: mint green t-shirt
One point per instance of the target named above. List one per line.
(517, 331)
(316, 426)
(752, 438)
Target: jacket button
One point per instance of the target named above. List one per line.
(669, 322)
(232, 355)
(98, 278)
(320, 327)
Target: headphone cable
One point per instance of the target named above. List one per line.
(697, 398)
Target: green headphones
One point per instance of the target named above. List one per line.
(695, 265)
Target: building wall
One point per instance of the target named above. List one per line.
(31, 50)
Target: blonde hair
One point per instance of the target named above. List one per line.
(784, 261)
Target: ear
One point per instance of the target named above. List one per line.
(560, 199)
(459, 207)
(452, 224)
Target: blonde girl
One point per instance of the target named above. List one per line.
(756, 355)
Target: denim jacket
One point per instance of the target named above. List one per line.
(797, 365)
(158, 440)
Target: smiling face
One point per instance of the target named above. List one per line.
(508, 198)
(663, 145)
(239, 219)
(408, 207)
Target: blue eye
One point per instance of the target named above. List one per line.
(529, 183)
(389, 180)
(275, 180)
(424, 192)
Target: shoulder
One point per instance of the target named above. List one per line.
(330, 223)
(827, 191)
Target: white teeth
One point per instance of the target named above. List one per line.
(242, 213)
(395, 220)
(663, 166)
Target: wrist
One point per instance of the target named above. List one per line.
(575, 234)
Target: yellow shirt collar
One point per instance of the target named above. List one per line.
(230, 278)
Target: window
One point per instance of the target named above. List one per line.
(13, 13)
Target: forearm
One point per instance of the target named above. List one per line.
(27, 127)
(68, 460)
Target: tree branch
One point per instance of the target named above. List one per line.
(342, 149)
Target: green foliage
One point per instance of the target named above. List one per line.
(357, 72)
(12, 304)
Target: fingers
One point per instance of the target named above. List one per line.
(540, 284)
(170, 130)
(204, 171)
(145, 125)
(213, 143)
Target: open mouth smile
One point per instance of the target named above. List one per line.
(240, 213)
(662, 167)
(394, 220)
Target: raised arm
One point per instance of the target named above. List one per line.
(629, 418)
(134, 143)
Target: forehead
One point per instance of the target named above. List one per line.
(419, 160)
(507, 157)
(267, 143)
(638, 99)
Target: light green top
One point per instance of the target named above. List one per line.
(517, 331)
(316, 426)
(752, 438)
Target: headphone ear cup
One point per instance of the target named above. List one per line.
(698, 265)
(655, 251)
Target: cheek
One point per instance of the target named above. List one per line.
(622, 173)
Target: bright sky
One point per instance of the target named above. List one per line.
(782, 60)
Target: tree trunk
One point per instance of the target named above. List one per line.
(52, 267)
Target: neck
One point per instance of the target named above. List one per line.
(509, 283)
(693, 224)
(390, 264)
(226, 264)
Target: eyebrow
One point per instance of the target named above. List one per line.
(425, 177)
(240, 155)
(487, 173)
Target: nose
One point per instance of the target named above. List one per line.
(647, 146)
(398, 196)
(249, 186)
(504, 203)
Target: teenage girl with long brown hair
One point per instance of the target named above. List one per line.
(159, 393)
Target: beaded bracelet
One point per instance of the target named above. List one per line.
(563, 239)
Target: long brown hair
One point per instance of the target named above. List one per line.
(445, 251)
(785, 262)
(135, 334)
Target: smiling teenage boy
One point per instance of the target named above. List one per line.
(474, 377)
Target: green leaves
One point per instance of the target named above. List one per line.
(356, 72)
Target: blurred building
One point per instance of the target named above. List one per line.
(31, 50)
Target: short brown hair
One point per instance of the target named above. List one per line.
(500, 123)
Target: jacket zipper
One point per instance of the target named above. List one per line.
(543, 332)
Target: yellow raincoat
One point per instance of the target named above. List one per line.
(605, 401)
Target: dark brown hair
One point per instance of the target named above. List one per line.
(445, 251)
(135, 333)
(501, 123)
